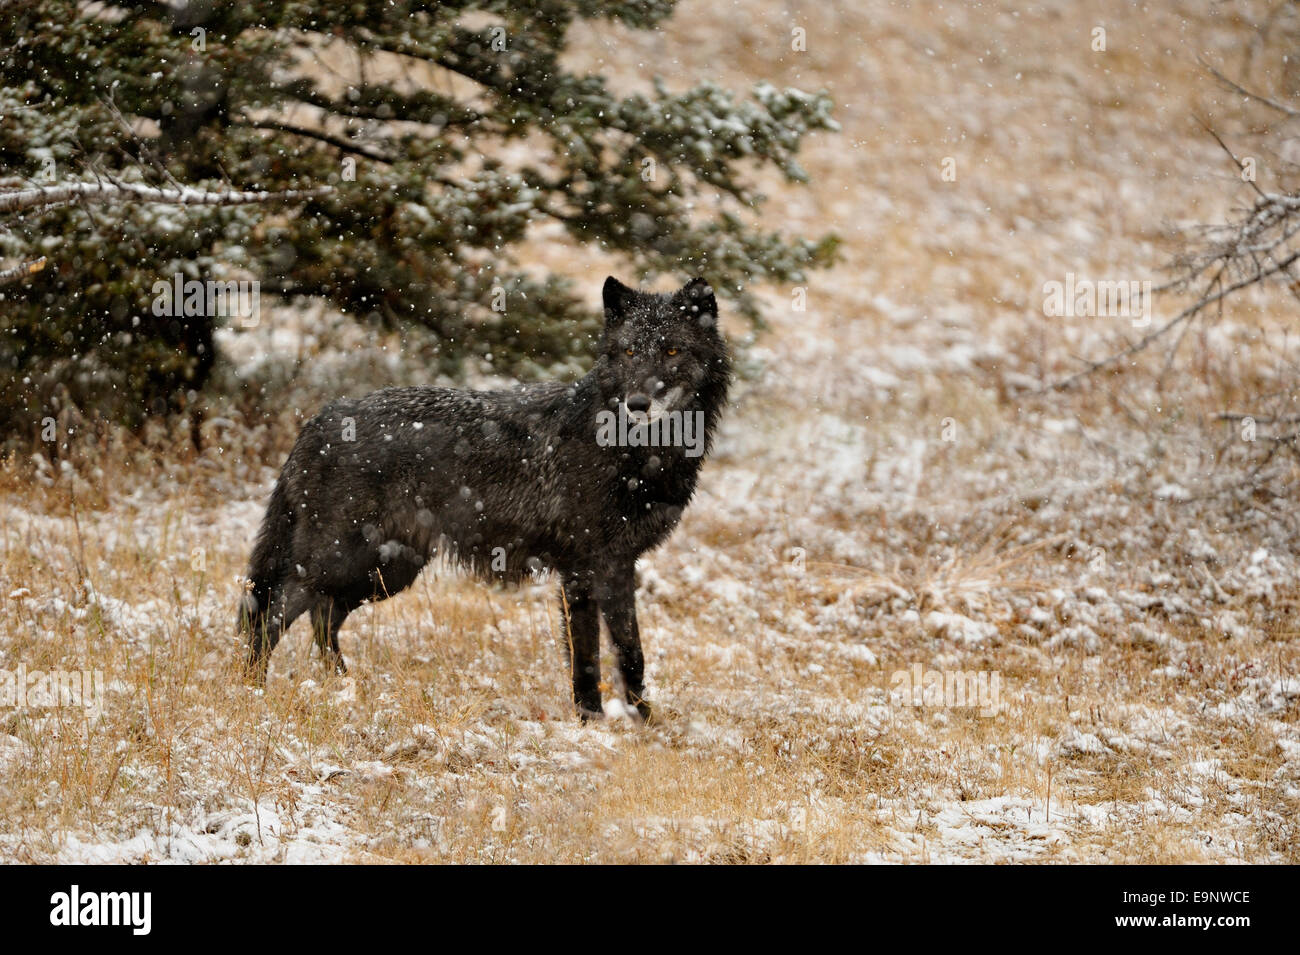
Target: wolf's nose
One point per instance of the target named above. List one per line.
(638, 403)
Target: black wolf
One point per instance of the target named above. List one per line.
(504, 483)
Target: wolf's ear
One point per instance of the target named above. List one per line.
(699, 294)
(616, 296)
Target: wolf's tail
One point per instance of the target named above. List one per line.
(266, 568)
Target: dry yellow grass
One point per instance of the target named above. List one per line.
(451, 740)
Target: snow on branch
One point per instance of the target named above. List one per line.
(21, 271)
(17, 199)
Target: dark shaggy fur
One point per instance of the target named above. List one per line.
(503, 482)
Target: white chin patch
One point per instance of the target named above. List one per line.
(659, 406)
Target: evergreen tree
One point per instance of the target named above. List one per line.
(421, 141)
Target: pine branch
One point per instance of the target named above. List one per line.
(21, 271)
(17, 199)
(338, 142)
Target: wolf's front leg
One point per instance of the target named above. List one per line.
(578, 611)
(618, 604)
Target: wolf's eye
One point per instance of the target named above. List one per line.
(630, 351)
(671, 352)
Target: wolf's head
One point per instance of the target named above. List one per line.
(663, 352)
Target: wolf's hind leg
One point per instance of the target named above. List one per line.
(618, 606)
(285, 605)
(252, 630)
(581, 626)
(326, 618)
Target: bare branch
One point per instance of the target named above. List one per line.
(1191, 311)
(1257, 97)
(1257, 247)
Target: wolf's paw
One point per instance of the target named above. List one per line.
(586, 713)
(636, 712)
(334, 663)
(253, 673)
